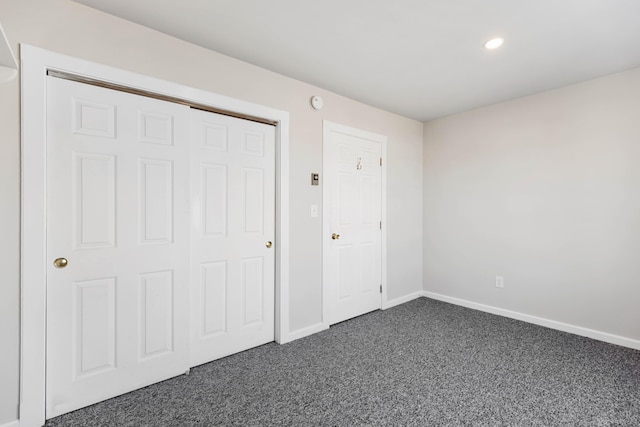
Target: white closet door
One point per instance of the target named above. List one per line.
(117, 211)
(232, 235)
(353, 255)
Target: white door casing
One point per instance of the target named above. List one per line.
(232, 235)
(117, 169)
(35, 63)
(352, 232)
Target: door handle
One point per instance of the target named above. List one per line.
(269, 244)
(335, 236)
(60, 263)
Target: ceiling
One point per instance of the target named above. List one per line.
(418, 58)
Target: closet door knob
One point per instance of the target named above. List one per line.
(60, 263)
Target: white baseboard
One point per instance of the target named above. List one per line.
(15, 423)
(304, 332)
(560, 326)
(401, 300)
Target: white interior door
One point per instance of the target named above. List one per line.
(232, 235)
(352, 262)
(117, 211)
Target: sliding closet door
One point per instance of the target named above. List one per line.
(117, 243)
(232, 235)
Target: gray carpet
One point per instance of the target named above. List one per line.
(424, 363)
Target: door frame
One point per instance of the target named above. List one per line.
(327, 128)
(35, 62)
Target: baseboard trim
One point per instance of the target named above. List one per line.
(304, 332)
(397, 301)
(15, 423)
(553, 324)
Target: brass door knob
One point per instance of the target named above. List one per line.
(335, 236)
(269, 244)
(60, 263)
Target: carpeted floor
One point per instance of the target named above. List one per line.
(424, 363)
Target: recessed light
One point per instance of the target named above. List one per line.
(494, 43)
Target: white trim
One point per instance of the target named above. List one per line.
(306, 331)
(282, 333)
(328, 127)
(33, 296)
(553, 324)
(401, 300)
(385, 225)
(35, 62)
(15, 423)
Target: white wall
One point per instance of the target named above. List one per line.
(545, 191)
(72, 29)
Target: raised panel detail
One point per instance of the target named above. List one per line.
(367, 267)
(366, 203)
(214, 137)
(94, 201)
(367, 158)
(156, 201)
(155, 128)
(348, 199)
(156, 313)
(94, 119)
(214, 297)
(253, 143)
(252, 285)
(214, 200)
(94, 326)
(345, 267)
(346, 155)
(253, 188)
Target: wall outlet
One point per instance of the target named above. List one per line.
(499, 282)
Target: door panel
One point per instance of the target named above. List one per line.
(352, 262)
(214, 197)
(94, 326)
(94, 201)
(117, 197)
(233, 217)
(156, 313)
(252, 286)
(213, 282)
(156, 201)
(253, 186)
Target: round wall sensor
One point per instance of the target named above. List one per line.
(316, 102)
